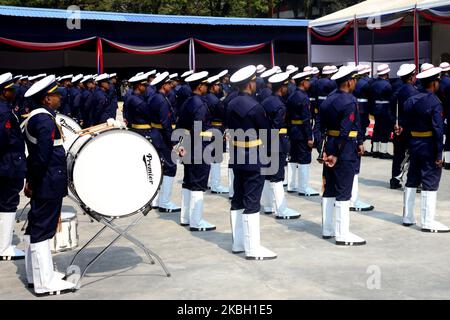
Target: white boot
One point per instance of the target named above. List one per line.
(383, 147)
(45, 280)
(428, 213)
(29, 267)
(252, 240)
(343, 235)
(230, 183)
(215, 179)
(409, 197)
(447, 158)
(285, 180)
(292, 177)
(376, 147)
(237, 231)
(355, 203)
(7, 250)
(185, 207)
(164, 196)
(196, 222)
(303, 182)
(328, 218)
(267, 198)
(282, 212)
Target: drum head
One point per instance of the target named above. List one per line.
(117, 173)
(69, 128)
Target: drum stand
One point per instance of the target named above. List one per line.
(73, 272)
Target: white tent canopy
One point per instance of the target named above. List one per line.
(374, 8)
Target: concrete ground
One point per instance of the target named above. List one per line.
(396, 263)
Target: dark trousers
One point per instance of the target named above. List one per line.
(383, 128)
(422, 169)
(365, 122)
(43, 219)
(338, 181)
(447, 138)
(400, 147)
(196, 176)
(248, 186)
(169, 167)
(9, 193)
(279, 176)
(300, 152)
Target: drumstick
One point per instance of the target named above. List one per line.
(96, 131)
(92, 128)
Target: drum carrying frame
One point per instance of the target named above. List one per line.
(108, 222)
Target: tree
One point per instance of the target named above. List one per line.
(224, 8)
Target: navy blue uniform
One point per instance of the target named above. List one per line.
(324, 87)
(276, 112)
(244, 112)
(46, 176)
(340, 123)
(182, 92)
(149, 92)
(100, 107)
(160, 113)
(85, 107)
(313, 96)
(225, 89)
(444, 95)
(23, 103)
(401, 141)
(217, 111)
(299, 127)
(260, 85)
(12, 158)
(362, 94)
(125, 113)
(424, 123)
(139, 115)
(113, 100)
(65, 107)
(263, 94)
(381, 96)
(196, 170)
(75, 103)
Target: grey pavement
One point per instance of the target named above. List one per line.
(396, 263)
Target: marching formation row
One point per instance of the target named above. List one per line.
(330, 113)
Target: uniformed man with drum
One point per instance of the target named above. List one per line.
(46, 184)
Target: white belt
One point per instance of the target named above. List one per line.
(33, 140)
(312, 99)
(363, 100)
(382, 102)
(322, 98)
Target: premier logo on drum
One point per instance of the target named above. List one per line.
(148, 164)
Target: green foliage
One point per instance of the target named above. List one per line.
(223, 8)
